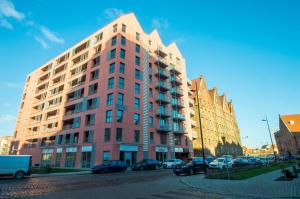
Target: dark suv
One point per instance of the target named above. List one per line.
(193, 167)
(110, 166)
(145, 165)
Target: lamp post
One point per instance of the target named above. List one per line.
(200, 126)
(266, 120)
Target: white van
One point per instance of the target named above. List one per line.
(15, 165)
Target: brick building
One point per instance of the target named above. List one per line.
(117, 94)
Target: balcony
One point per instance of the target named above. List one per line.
(174, 70)
(161, 86)
(176, 80)
(191, 102)
(193, 123)
(162, 100)
(161, 73)
(161, 52)
(164, 128)
(161, 62)
(177, 103)
(192, 112)
(176, 91)
(178, 116)
(163, 113)
(190, 92)
(179, 130)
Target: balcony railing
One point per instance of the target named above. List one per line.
(162, 86)
(164, 128)
(163, 100)
(178, 116)
(163, 113)
(179, 130)
(161, 73)
(177, 91)
(177, 103)
(176, 80)
(175, 70)
(161, 62)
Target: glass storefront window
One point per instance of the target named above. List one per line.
(86, 159)
(70, 159)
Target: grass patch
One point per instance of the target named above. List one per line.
(45, 170)
(244, 173)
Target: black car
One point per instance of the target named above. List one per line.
(110, 166)
(145, 165)
(193, 167)
(240, 162)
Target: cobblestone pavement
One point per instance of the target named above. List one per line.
(260, 186)
(160, 184)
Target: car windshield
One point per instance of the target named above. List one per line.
(219, 160)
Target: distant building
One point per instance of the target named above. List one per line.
(5, 142)
(265, 150)
(288, 136)
(219, 125)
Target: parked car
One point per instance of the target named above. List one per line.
(15, 165)
(240, 162)
(145, 165)
(220, 163)
(208, 159)
(110, 166)
(169, 164)
(193, 167)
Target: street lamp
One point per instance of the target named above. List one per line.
(200, 126)
(266, 120)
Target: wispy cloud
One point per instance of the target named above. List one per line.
(51, 36)
(112, 13)
(7, 9)
(42, 42)
(4, 23)
(11, 85)
(160, 23)
(7, 117)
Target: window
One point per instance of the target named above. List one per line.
(92, 103)
(107, 132)
(151, 106)
(150, 79)
(114, 41)
(109, 99)
(136, 119)
(96, 61)
(151, 138)
(150, 68)
(115, 28)
(98, 49)
(123, 41)
(88, 136)
(123, 28)
(93, 89)
(137, 36)
(121, 82)
(119, 135)
(151, 121)
(70, 159)
(112, 54)
(111, 68)
(163, 139)
(137, 60)
(137, 48)
(108, 117)
(177, 139)
(138, 74)
(110, 83)
(76, 122)
(150, 93)
(137, 88)
(90, 119)
(106, 156)
(119, 116)
(122, 68)
(136, 103)
(120, 99)
(94, 74)
(149, 42)
(136, 136)
(122, 53)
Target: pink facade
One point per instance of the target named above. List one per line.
(69, 87)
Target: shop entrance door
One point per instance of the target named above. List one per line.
(128, 158)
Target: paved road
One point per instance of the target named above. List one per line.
(161, 184)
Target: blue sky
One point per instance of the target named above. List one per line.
(249, 49)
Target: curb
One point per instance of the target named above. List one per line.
(60, 174)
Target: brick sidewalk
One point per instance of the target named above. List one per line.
(260, 186)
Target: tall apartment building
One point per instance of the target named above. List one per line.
(219, 125)
(288, 136)
(117, 94)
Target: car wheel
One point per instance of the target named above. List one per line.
(19, 175)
